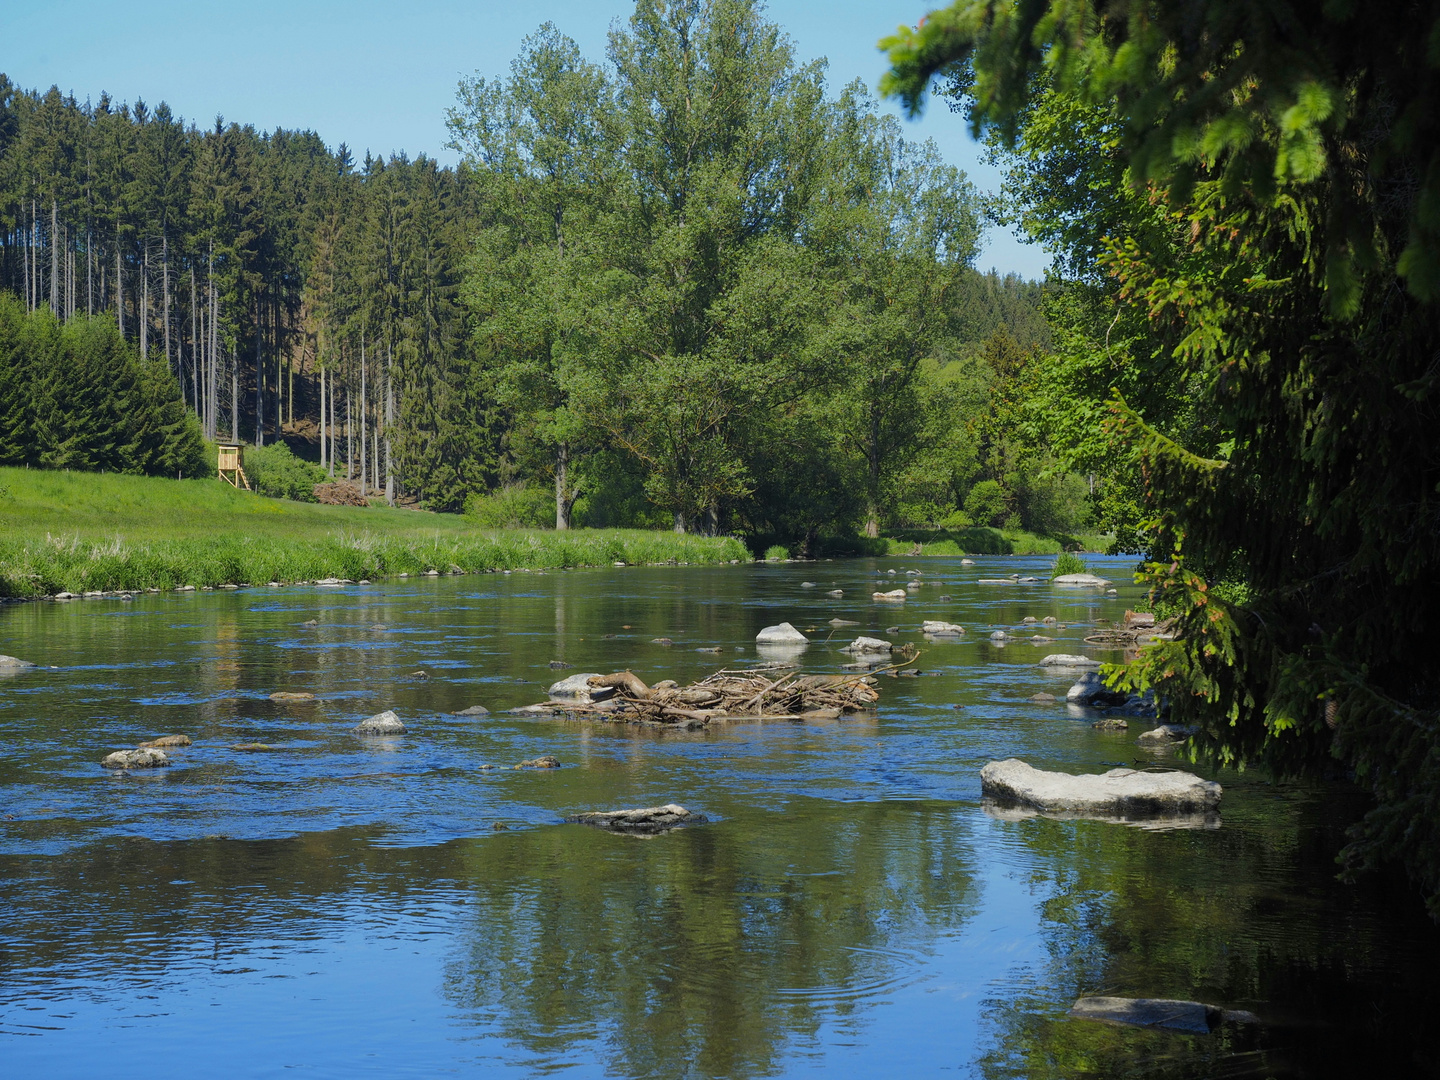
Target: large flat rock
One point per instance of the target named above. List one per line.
(14, 663)
(783, 634)
(142, 758)
(577, 689)
(649, 819)
(1191, 1017)
(1081, 581)
(1119, 792)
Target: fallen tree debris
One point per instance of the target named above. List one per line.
(725, 695)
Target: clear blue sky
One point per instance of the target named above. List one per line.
(379, 76)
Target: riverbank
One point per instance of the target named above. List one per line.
(88, 532)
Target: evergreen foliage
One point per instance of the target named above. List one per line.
(1279, 249)
(78, 396)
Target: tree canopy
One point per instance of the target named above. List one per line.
(1263, 216)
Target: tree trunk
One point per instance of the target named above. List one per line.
(165, 290)
(364, 473)
(389, 419)
(145, 304)
(259, 382)
(563, 499)
(349, 439)
(679, 521)
(119, 287)
(55, 259)
(322, 418)
(194, 344)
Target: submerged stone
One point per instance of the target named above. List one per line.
(1191, 1017)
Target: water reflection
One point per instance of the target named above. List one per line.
(348, 907)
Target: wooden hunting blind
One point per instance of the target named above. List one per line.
(231, 466)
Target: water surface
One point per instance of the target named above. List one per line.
(337, 906)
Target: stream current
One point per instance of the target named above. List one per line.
(336, 907)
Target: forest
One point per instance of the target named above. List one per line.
(758, 316)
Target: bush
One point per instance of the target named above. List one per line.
(274, 471)
(515, 507)
(776, 551)
(988, 503)
(1069, 563)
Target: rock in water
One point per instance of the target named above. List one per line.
(1191, 1017)
(867, 645)
(1080, 581)
(836, 592)
(144, 758)
(933, 627)
(577, 688)
(292, 696)
(651, 819)
(166, 740)
(385, 723)
(473, 710)
(967, 562)
(784, 634)
(545, 761)
(1167, 733)
(893, 594)
(1091, 691)
(1119, 792)
(14, 663)
(1068, 660)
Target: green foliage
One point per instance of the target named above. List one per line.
(987, 502)
(1067, 562)
(1274, 273)
(514, 507)
(78, 396)
(274, 471)
(776, 552)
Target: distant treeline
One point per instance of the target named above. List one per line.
(78, 396)
(774, 331)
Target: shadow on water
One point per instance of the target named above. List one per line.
(347, 907)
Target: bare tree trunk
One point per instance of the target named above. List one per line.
(55, 259)
(234, 396)
(389, 420)
(349, 440)
(332, 426)
(364, 473)
(322, 418)
(259, 382)
(194, 344)
(563, 501)
(679, 521)
(89, 271)
(165, 285)
(119, 286)
(27, 258)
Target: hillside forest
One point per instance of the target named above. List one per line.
(757, 315)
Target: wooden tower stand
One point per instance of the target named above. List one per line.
(231, 469)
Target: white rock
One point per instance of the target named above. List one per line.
(577, 688)
(1080, 580)
(1069, 660)
(867, 645)
(385, 723)
(1120, 792)
(1090, 689)
(998, 581)
(807, 584)
(136, 759)
(967, 562)
(999, 635)
(784, 634)
(13, 663)
(836, 592)
(893, 594)
(930, 626)
(1167, 733)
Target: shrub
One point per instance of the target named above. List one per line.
(515, 507)
(1069, 563)
(988, 503)
(776, 551)
(274, 471)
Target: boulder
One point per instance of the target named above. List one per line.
(292, 696)
(893, 594)
(836, 592)
(967, 562)
(385, 723)
(997, 581)
(650, 819)
(1091, 691)
(784, 634)
(1080, 581)
(473, 710)
(999, 635)
(930, 626)
(1069, 660)
(1119, 792)
(1112, 723)
(164, 741)
(843, 622)
(14, 663)
(142, 758)
(1166, 734)
(545, 761)
(1191, 1017)
(1042, 697)
(867, 645)
(807, 584)
(1041, 639)
(577, 688)
(559, 665)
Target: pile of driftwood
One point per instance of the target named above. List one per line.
(1138, 628)
(725, 695)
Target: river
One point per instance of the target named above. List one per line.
(341, 907)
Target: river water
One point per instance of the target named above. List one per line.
(340, 907)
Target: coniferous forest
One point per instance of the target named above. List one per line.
(760, 315)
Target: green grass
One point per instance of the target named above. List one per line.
(1069, 563)
(80, 532)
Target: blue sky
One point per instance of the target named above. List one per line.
(379, 75)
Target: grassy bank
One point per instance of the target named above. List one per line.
(80, 532)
